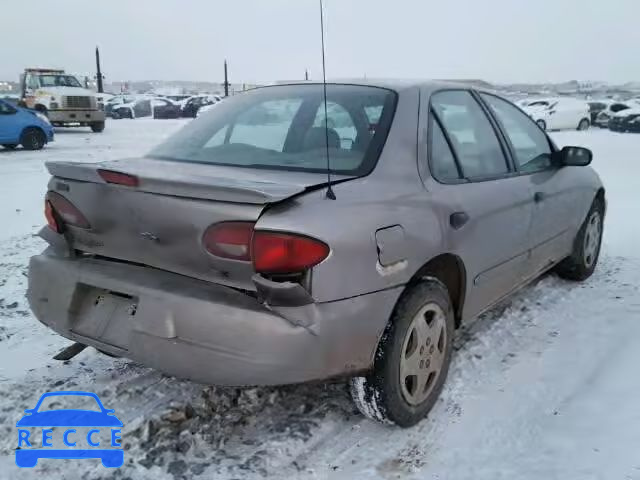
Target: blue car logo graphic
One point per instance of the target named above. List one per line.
(28, 457)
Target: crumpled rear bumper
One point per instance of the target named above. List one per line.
(203, 331)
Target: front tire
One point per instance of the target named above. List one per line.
(33, 139)
(97, 127)
(586, 248)
(584, 124)
(412, 360)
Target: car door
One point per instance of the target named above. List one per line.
(488, 209)
(9, 129)
(570, 112)
(555, 200)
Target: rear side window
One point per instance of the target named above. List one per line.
(472, 137)
(529, 142)
(283, 128)
(441, 160)
(618, 107)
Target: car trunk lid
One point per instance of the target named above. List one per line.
(160, 222)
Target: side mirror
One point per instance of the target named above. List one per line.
(574, 156)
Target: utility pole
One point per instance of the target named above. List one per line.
(306, 75)
(226, 80)
(98, 72)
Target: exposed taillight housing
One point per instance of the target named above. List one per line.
(52, 221)
(229, 240)
(118, 178)
(279, 252)
(59, 212)
(270, 252)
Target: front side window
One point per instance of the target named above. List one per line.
(32, 82)
(471, 134)
(283, 127)
(530, 144)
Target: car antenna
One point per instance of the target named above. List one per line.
(330, 194)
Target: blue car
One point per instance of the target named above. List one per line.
(60, 417)
(21, 126)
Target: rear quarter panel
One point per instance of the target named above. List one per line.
(393, 194)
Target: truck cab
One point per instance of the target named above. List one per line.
(62, 98)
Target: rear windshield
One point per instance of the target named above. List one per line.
(283, 127)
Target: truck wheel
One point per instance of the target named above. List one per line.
(9, 146)
(412, 360)
(97, 127)
(586, 247)
(33, 139)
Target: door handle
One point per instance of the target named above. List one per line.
(538, 197)
(458, 219)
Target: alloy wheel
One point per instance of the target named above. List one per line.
(423, 353)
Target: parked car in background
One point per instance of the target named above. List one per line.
(218, 256)
(22, 126)
(627, 120)
(102, 99)
(136, 108)
(165, 108)
(605, 110)
(177, 98)
(193, 104)
(116, 101)
(559, 113)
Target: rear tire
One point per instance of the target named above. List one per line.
(542, 124)
(97, 127)
(33, 139)
(584, 124)
(586, 248)
(412, 360)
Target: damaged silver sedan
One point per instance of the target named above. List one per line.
(286, 237)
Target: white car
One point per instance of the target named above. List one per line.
(206, 108)
(558, 113)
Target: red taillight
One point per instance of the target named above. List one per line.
(119, 178)
(51, 218)
(275, 252)
(229, 240)
(57, 208)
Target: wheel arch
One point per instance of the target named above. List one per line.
(450, 270)
(37, 128)
(600, 196)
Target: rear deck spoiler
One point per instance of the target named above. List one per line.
(188, 182)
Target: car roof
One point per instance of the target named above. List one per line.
(394, 84)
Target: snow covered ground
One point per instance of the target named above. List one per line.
(544, 386)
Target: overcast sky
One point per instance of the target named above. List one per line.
(496, 40)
